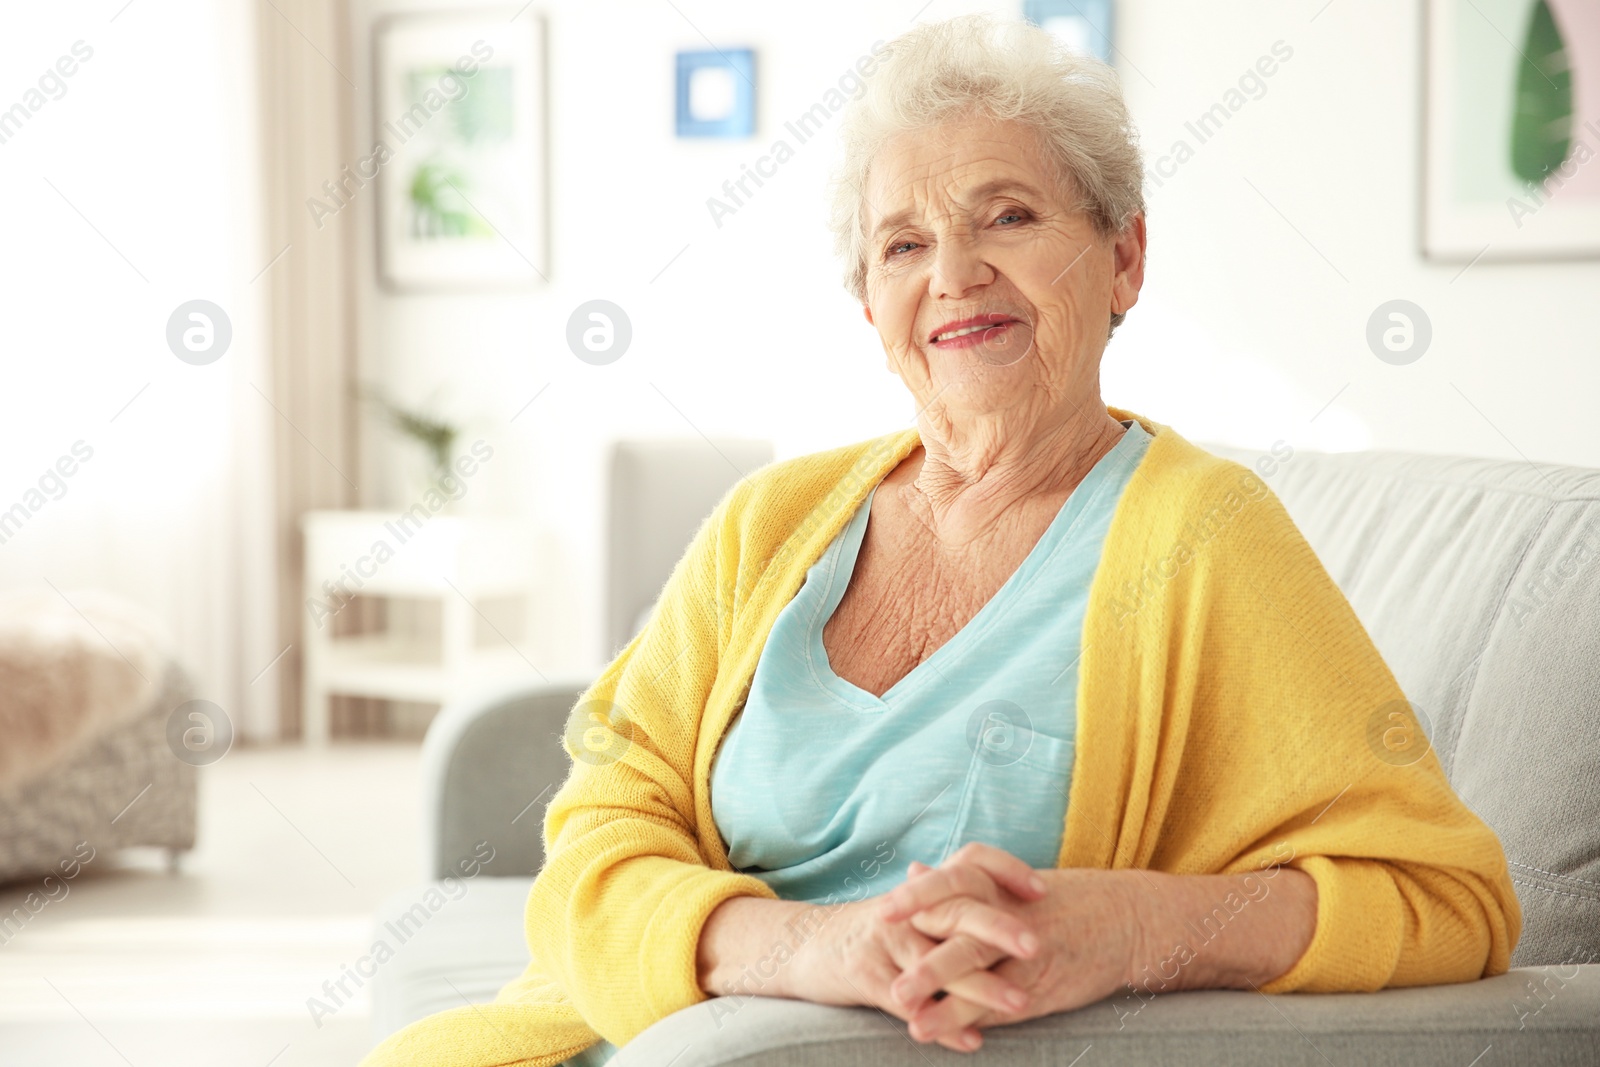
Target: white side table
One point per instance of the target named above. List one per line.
(457, 560)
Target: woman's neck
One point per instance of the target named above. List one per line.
(971, 479)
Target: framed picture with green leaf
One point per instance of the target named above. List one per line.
(459, 150)
(1512, 130)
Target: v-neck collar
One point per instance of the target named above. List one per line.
(845, 552)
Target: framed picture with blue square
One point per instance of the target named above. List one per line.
(1081, 25)
(716, 93)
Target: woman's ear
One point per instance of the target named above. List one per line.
(867, 311)
(1128, 250)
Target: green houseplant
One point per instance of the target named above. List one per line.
(436, 435)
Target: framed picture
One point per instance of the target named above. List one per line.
(1081, 25)
(460, 150)
(716, 93)
(1511, 118)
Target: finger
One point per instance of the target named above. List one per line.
(935, 885)
(905, 946)
(982, 922)
(967, 1040)
(952, 1022)
(1002, 870)
(987, 990)
(959, 959)
(1007, 870)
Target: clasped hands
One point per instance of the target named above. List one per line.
(1003, 941)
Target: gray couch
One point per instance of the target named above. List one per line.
(1480, 582)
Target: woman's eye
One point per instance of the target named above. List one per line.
(903, 244)
(1009, 215)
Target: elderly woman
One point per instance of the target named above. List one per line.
(1030, 705)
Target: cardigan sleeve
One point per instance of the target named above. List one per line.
(1298, 748)
(614, 915)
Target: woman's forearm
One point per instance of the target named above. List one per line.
(1221, 931)
(738, 952)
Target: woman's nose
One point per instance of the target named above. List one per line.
(958, 267)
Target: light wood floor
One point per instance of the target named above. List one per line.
(136, 967)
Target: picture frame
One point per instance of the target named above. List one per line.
(1081, 25)
(1511, 130)
(715, 93)
(460, 150)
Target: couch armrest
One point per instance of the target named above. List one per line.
(1529, 1015)
(490, 764)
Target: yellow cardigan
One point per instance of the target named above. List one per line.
(1232, 713)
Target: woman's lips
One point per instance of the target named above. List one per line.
(996, 333)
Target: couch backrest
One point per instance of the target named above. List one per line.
(659, 492)
(1479, 581)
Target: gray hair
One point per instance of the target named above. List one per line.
(1006, 70)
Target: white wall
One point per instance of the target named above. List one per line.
(1244, 332)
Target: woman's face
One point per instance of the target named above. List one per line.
(966, 221)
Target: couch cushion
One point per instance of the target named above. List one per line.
(1479, 581)
(473, 942)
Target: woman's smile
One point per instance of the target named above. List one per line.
(970, 332)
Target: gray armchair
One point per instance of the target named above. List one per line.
(123, 788)
(1480, 582)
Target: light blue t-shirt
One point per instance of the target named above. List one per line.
(827, 792)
